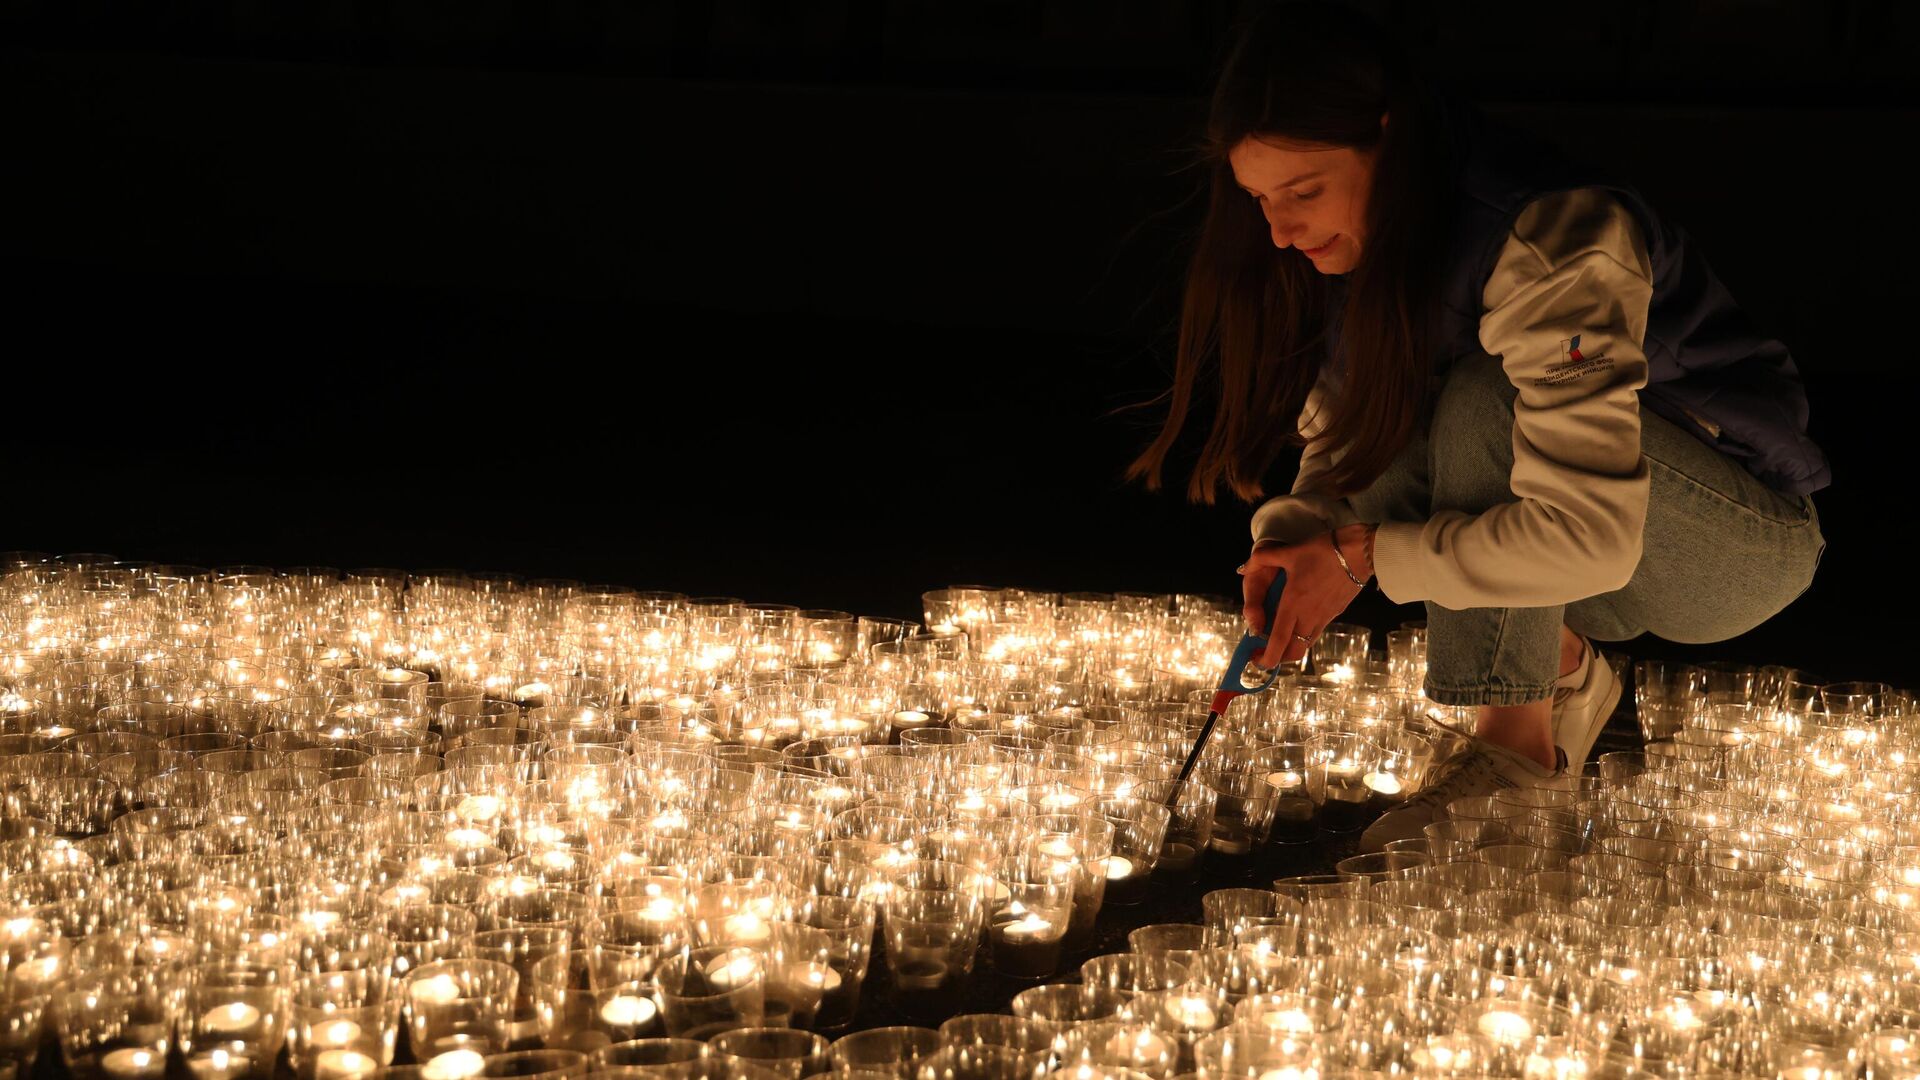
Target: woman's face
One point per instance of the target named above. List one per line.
(1314, 196)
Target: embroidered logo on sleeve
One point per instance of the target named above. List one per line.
(1573, 364)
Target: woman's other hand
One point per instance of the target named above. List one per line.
(1317, 591)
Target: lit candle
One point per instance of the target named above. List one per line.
(1384, 782)
(833, 797)
(728, 973)
(661, 909)
(792, 822)
(438, 990)
(453, 1065)
(1290, 1021)
(746, 928)
(1193, 1012)
(477, 808)
(338, 1033)
(230, 1019)
(1143, 1048)
(820, 977)
(133, 1062)
(1505, 1027)
(1680, 1016)
(468, 838)
(1119, 866)
(1060, 800)
(343, 1065)
(907, 719)
(628, 1011)
(1286, 781)
(1027, 929)
(1059, 848)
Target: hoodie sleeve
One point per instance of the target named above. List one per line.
(1566, 313)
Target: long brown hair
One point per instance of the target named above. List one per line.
(1253, 318)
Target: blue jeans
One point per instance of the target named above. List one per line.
(1723, 552)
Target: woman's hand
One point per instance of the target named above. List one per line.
(1317, 591)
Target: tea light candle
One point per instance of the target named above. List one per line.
(1345, 772)
(1142, 1048)
(1057, 801)
(908, 719)
(438, 990)
(833, 798)
(1119, 867)
(628, 1011)
(1384, 783)
(660, 909)
(728, 973)
(1679, 1016)
(820, 977)
(1505, 1027)
(230, 1019)
(921, 973)
(1028, 929)
(453, 1065)
(1191, 1011)
(338, 1033)
(343, 1064)
(1177, 857)
(133, 1063)
(1290, 1021)
(746, 928)
(477, 808)
(1286, 781)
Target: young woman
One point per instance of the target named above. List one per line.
(1522, 397)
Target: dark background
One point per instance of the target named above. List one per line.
(827, 303)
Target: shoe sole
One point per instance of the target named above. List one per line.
(1609, 702)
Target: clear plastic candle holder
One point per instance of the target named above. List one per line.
(522, 948)
(707, 990)
(114, 1026)
(234, 1019)
(349, 1012)
(662, 1056)
(897, 1049)
(1339, 762)
(788, 1052)
(462, 1005)
(1139, 831)
(573, 1016)
(934, 916)
(1243, 819)
(535, 1065)
(1189, 827)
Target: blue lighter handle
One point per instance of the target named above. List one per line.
(1252, 645)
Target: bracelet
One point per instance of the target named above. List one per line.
(1344, 565)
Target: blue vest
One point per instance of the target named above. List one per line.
(1704, 355)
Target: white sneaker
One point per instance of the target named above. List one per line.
(1582, 702)
(1484, 769)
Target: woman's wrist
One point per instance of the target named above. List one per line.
(1355, 543)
